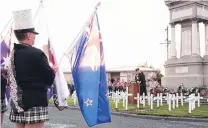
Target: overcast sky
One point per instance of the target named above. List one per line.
(132, 30)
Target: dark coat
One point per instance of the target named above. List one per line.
(141, 78)
(33, 74)
(3, 86)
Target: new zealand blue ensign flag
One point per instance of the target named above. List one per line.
(88, 70)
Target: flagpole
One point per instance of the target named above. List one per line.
(6, 26)
(49, 36)
(74, 41)
(80, 32)
(35, 16)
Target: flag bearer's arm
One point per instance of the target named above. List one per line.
(47, 72)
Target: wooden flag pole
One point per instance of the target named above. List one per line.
(69, 50)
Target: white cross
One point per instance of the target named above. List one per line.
(74, 97)
(148, 98)
(117, 98)
(126, 98)
(198, 98)
(169, 101)
(123, 94)
(151, 101)
(113, 96)
(166, 97)
(158, 98)
(191, 100)
(138, 98)
(173, 99)
(180, 97)
(143, 99)
(177, 99)
(161, 99)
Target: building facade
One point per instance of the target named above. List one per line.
(122, 73)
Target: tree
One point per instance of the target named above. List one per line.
(150, 66)
(146, 65)
(159, 76)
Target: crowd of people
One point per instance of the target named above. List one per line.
(120, 85)
(116, 85)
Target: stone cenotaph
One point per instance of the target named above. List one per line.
(190, 68)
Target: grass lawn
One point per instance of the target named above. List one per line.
(202, 111)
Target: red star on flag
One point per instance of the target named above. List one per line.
(88, 102)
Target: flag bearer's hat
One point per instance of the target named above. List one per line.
(23, 22)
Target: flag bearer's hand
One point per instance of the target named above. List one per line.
(55, 68)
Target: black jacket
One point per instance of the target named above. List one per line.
(3, 86)
(33, 74)
(140, 77)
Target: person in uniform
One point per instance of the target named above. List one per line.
(3, 91)
(140, 79)
(30, 74)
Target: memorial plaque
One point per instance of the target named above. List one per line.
(181, 70)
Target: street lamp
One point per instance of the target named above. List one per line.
(167, 41)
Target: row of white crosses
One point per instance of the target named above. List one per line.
(173, 100)
(192, 99)
(142, 99)
(117, 96)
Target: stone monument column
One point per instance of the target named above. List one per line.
(173, 52)
(190, 69)
(195, 45)
(186, 32)
(206, 38)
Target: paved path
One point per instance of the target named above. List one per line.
(73, 119)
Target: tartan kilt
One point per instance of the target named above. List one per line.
(31, 116)
(3, 106)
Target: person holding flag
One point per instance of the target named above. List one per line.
(3, 91)
(29, 74)
(5, 44)
(89, 75)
